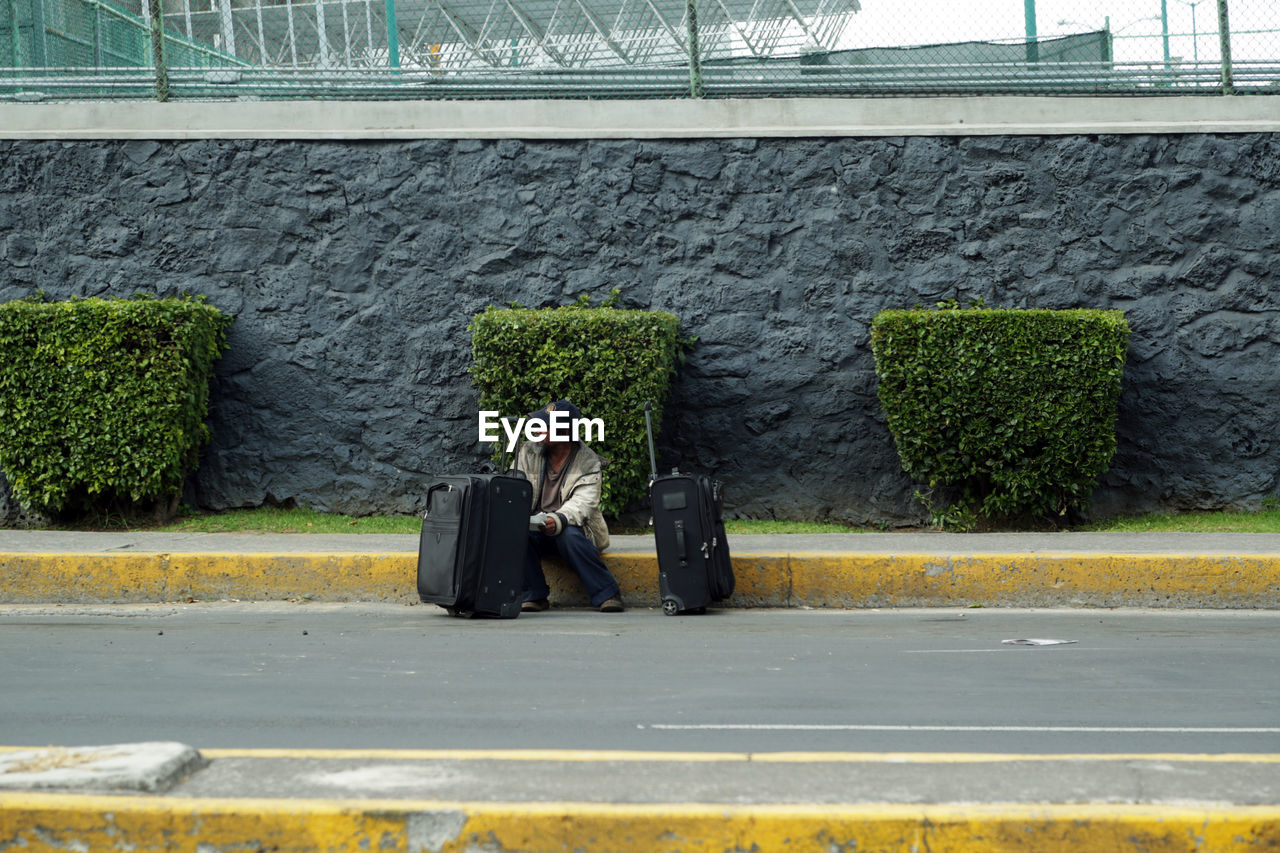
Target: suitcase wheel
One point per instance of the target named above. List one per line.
(669, 607)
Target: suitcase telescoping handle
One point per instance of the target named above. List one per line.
(502, 460)
(648, 429)
(507, 461)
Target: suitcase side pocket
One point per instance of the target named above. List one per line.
(720, 578)
(438, 547)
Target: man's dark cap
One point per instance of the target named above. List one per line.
(544, 414)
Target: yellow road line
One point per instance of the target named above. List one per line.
(47, 822)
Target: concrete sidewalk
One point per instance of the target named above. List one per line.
(1237, 570)
(618, 801)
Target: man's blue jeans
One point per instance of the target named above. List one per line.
(576, 549)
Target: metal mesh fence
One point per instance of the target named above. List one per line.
(385, 49)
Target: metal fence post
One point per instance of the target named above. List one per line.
(97, 35)
(393, 35)
(322, 35)
(228, 27)
(1164, 32)
(695, 60)
(13, 32)
(1033, 38)
(157, 49)
(1224, 39)
(39, 34)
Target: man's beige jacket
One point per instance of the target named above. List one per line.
(580, 490)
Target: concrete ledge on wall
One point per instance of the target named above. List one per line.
(652, 119)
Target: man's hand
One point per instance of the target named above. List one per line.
(543, 522)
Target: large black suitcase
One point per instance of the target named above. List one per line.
(694, 567)
(474, 535)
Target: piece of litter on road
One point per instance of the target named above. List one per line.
(1037, 642)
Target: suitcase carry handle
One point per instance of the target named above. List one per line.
(437, 487)
(684, 556)
(648, 430)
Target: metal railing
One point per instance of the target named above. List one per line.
(54, 50)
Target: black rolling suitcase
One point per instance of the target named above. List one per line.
(474, 535)
(694, 568)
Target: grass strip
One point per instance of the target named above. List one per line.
(302, 520)
(1264, 521)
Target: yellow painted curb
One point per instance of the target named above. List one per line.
(49, 822)
(763, 580)
(143, 576)
(1029, 580)
(615, 755)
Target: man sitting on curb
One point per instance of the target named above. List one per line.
(566, 486)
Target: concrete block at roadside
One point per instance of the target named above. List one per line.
(135, 767)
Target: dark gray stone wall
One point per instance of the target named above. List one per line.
(353, 268)
(13, 514)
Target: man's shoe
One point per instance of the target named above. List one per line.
(535, 606)
(613, 605)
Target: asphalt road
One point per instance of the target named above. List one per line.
(389, 676)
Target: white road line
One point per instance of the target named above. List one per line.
(954, 651)
(822, 727)
(1006, 649)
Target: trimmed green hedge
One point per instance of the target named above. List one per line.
(608, 361)
(1013, 412)
(103, 401)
